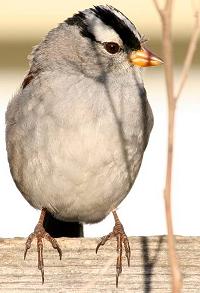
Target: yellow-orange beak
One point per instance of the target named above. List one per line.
(144, 58)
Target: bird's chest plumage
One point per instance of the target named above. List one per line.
(82, 149)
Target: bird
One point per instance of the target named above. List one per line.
(77, 128)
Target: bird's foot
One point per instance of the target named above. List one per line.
(40, 234)
(122, 240)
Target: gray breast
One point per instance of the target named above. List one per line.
(78, 153)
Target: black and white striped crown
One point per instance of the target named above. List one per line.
(108, 18)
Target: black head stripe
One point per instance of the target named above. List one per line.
(112, 20)
(79, 20)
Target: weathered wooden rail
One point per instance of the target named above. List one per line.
(81, 270)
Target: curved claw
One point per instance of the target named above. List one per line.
(40, 257)
(97, 248)
(54, 244)
(103, 241)
(25, 251)
(117, 280)
(42, 273)
(119, 257)
(127, 250)
(59, 252)
(28, 244)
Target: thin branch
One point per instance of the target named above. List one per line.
(190, 54)
(165, 15)
(168, 5)
(158, 7)
(166, 20)
(167, 51)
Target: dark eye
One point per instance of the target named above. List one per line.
(112, 47)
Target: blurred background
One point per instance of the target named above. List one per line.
(22, 25)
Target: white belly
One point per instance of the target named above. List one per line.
(80, 175)
(77, 160)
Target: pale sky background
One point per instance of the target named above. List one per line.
(142, 212)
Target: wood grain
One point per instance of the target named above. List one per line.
(81, 270)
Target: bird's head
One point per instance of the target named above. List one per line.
(95, 41)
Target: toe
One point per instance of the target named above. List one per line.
(54, 244)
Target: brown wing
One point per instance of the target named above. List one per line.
(30, 76)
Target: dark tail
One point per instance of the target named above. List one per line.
(57, 228)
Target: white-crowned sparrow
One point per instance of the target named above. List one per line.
(78, 127)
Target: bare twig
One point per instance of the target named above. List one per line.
(158, 7)
(165, 14)
(190, 53)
